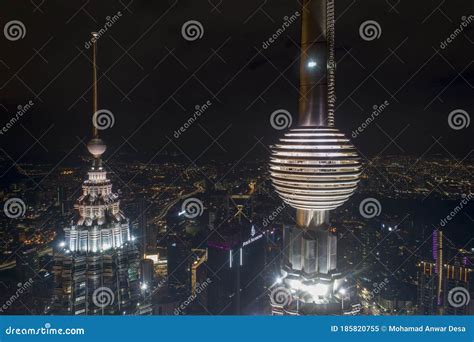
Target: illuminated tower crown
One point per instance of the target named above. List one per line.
(96, 266)
(100, 224)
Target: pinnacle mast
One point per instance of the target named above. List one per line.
(95, 146)
(95, 132)
(316, 64)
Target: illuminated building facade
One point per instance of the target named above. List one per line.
(437, 278)
(96, 265)
(315, 169)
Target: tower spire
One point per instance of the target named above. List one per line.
(316, 104)
(96, 146)
(95, 132)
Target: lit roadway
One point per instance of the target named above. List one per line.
(199, 188)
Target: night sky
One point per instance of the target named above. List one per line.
(151, 78)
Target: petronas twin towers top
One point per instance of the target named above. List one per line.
(96, 265)
(101, 224)
(315, 169)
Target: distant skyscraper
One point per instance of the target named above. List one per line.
(96, 266)
(443, 284)
(315, 169)
(27, 263)
(179, 266)
(236, 259)
(147, 274)
(61, 200)
(146, 232)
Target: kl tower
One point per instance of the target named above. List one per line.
(314, 168)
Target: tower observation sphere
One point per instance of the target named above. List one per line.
(314, 168)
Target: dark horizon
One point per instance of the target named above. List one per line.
(244, 82)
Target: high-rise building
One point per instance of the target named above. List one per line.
(236, 259)
(61, 200)
(147, 232)
(96, 265)
(27, 263)
(179, 266)
(443, 283)
(147, 274)
(314, 169)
